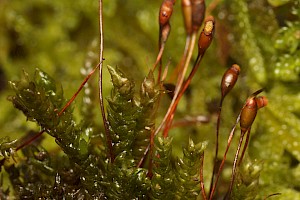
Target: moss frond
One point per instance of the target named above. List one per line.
(188, 171)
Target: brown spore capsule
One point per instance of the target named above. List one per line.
(187, 15)
(229, 79)
(261, 101)
(165, 12)
(248, 114)
(206, 35)
(198, 13)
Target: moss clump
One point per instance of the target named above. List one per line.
(261, 36)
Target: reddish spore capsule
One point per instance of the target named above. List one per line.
(198, 12)
(261, 101)
(165, 12)
(248, 114)
(229, 79)
(206, 35)
(187, 15)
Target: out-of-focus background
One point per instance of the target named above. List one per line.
(261, 36)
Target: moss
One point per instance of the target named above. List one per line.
(58, 38)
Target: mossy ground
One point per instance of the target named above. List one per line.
(261, 36)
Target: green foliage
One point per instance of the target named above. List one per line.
(122, 112)
(188, 171)
(131, 118)
(124, 180)
(261, 36)
(247, 181)
(86, 173)
(179, 180)
(148, 102)
(164, 186)
(6, 147)
(278, 2)
(39, 99)
(247, 49)
(287, 67)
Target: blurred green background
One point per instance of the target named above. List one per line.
(262, 36)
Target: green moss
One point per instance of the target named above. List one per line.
(56, 37)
